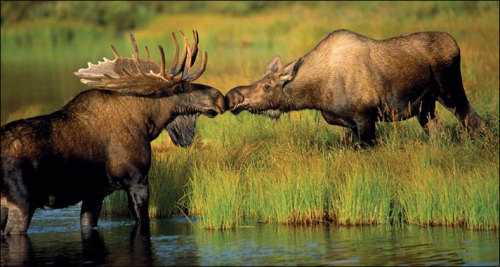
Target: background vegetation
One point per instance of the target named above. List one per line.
(248, 168)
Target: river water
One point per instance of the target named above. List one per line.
(55, 239)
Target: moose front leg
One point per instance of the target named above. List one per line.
(138, 198)
(333, 119)
(3, 217)
(364, 131)
(89, 215)
(131, 174)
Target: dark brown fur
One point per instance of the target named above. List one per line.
(355, 81)
(97, 143)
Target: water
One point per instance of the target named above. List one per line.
(35, 88)
(54, 239)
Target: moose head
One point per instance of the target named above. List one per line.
(266, 95)
(144, 78)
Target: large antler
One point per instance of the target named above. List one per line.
(143, 76)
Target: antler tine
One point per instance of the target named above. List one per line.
(115, 54)
(162, 68)
(136, 53)
(180, 68)
(195, 47)
(134, 46)
(175, 60)
(196, 74)
(187, 67)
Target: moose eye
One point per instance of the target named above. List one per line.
(267, 87)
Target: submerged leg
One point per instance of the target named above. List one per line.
(140, 245)
(93, 247)
(17, 251)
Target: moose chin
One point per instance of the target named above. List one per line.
(99, 142)
(356, 81)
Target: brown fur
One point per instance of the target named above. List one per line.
(354, 81)
(99, 142)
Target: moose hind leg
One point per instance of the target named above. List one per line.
(19, 210)
(18, 218)
(452, 96)
(427, 113)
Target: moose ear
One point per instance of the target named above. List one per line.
(290, 70)
(275, 65)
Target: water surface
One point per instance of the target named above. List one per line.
(55, 239)
(34, 88)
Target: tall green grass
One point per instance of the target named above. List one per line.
(412, 181)
(299, 170)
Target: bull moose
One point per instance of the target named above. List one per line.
(355, 81)
(99, 142)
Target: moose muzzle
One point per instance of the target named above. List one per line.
(234, 100)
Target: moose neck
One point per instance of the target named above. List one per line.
(135, 116)
(147, 115)
(304, 91)
(162, 111)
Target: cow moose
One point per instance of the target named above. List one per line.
(355, 81)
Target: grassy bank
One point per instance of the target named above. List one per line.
(298, 169)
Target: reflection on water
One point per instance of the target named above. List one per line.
(55, 239)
